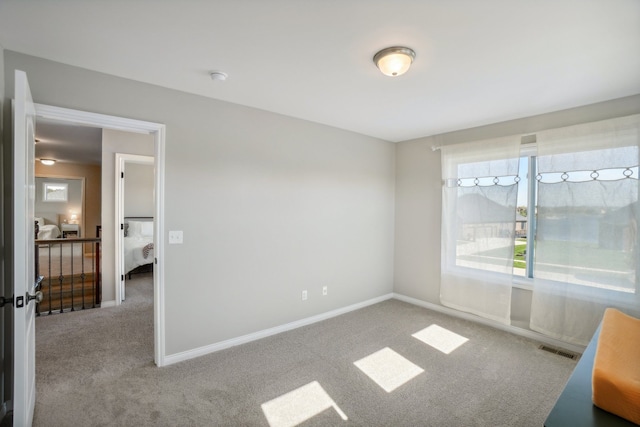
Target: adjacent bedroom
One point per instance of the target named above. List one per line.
(138, 212)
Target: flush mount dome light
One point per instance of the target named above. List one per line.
(394, 61)
(48, 162)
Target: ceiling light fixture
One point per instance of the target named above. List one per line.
(394, 61)
(48, 162)
(218, 75)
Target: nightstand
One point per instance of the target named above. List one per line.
(70, 230)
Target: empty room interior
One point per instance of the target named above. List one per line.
(346, 213)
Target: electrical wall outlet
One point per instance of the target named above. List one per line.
(324, 291)
(304, 295)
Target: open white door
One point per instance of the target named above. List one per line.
(24, 378)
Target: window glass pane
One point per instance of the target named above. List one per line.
(55, 192)
(522, 213)
(485, 226)
(586, 230)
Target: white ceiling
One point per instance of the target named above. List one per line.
(68, 142)
(478, 62)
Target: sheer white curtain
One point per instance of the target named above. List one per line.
(479, 199)
(587, 254)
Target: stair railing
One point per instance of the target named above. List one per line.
(71, 270)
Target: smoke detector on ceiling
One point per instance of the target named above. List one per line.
(218, 76)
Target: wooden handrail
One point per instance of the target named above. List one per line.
(68, 240)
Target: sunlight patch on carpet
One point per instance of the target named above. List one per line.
(299, 405)
(440, 338)
(388, 369)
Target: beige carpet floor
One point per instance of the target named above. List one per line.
(95, 368)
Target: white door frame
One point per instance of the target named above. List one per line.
(158, 132)
(121, 160)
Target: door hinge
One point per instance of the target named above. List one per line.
(121, 174)
(122, 277)
(121, 226)
(156, 260)
(4, 301)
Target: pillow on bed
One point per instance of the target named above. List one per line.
(146, 229)
(40, 221)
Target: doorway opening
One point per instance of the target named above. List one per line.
(157, 133)
(134, 192)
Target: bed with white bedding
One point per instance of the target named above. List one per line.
(47, 230)
(138, 245)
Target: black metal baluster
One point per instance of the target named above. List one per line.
(72, 293)
(49, 277)
(36, 253)
(95, 278)
(82, 275)
(60, 280)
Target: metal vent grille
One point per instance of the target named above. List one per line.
(560, 352)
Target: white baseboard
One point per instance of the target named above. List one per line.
(507, 328)
(105, 304)
(212, 348)
(201, 351)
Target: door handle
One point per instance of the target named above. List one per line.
(37, 296)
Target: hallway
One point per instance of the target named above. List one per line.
(77, 351)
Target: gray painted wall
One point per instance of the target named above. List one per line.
(418, 197)
(269, 205)
(138, 190)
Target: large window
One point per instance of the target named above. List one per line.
(560, 214)
(582, 230)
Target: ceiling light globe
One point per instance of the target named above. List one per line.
(394, 61)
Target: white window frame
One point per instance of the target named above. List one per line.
(528, 149)
(47, 185)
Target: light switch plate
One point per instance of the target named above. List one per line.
(175, 237)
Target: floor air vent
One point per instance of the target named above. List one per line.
(560, 352)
